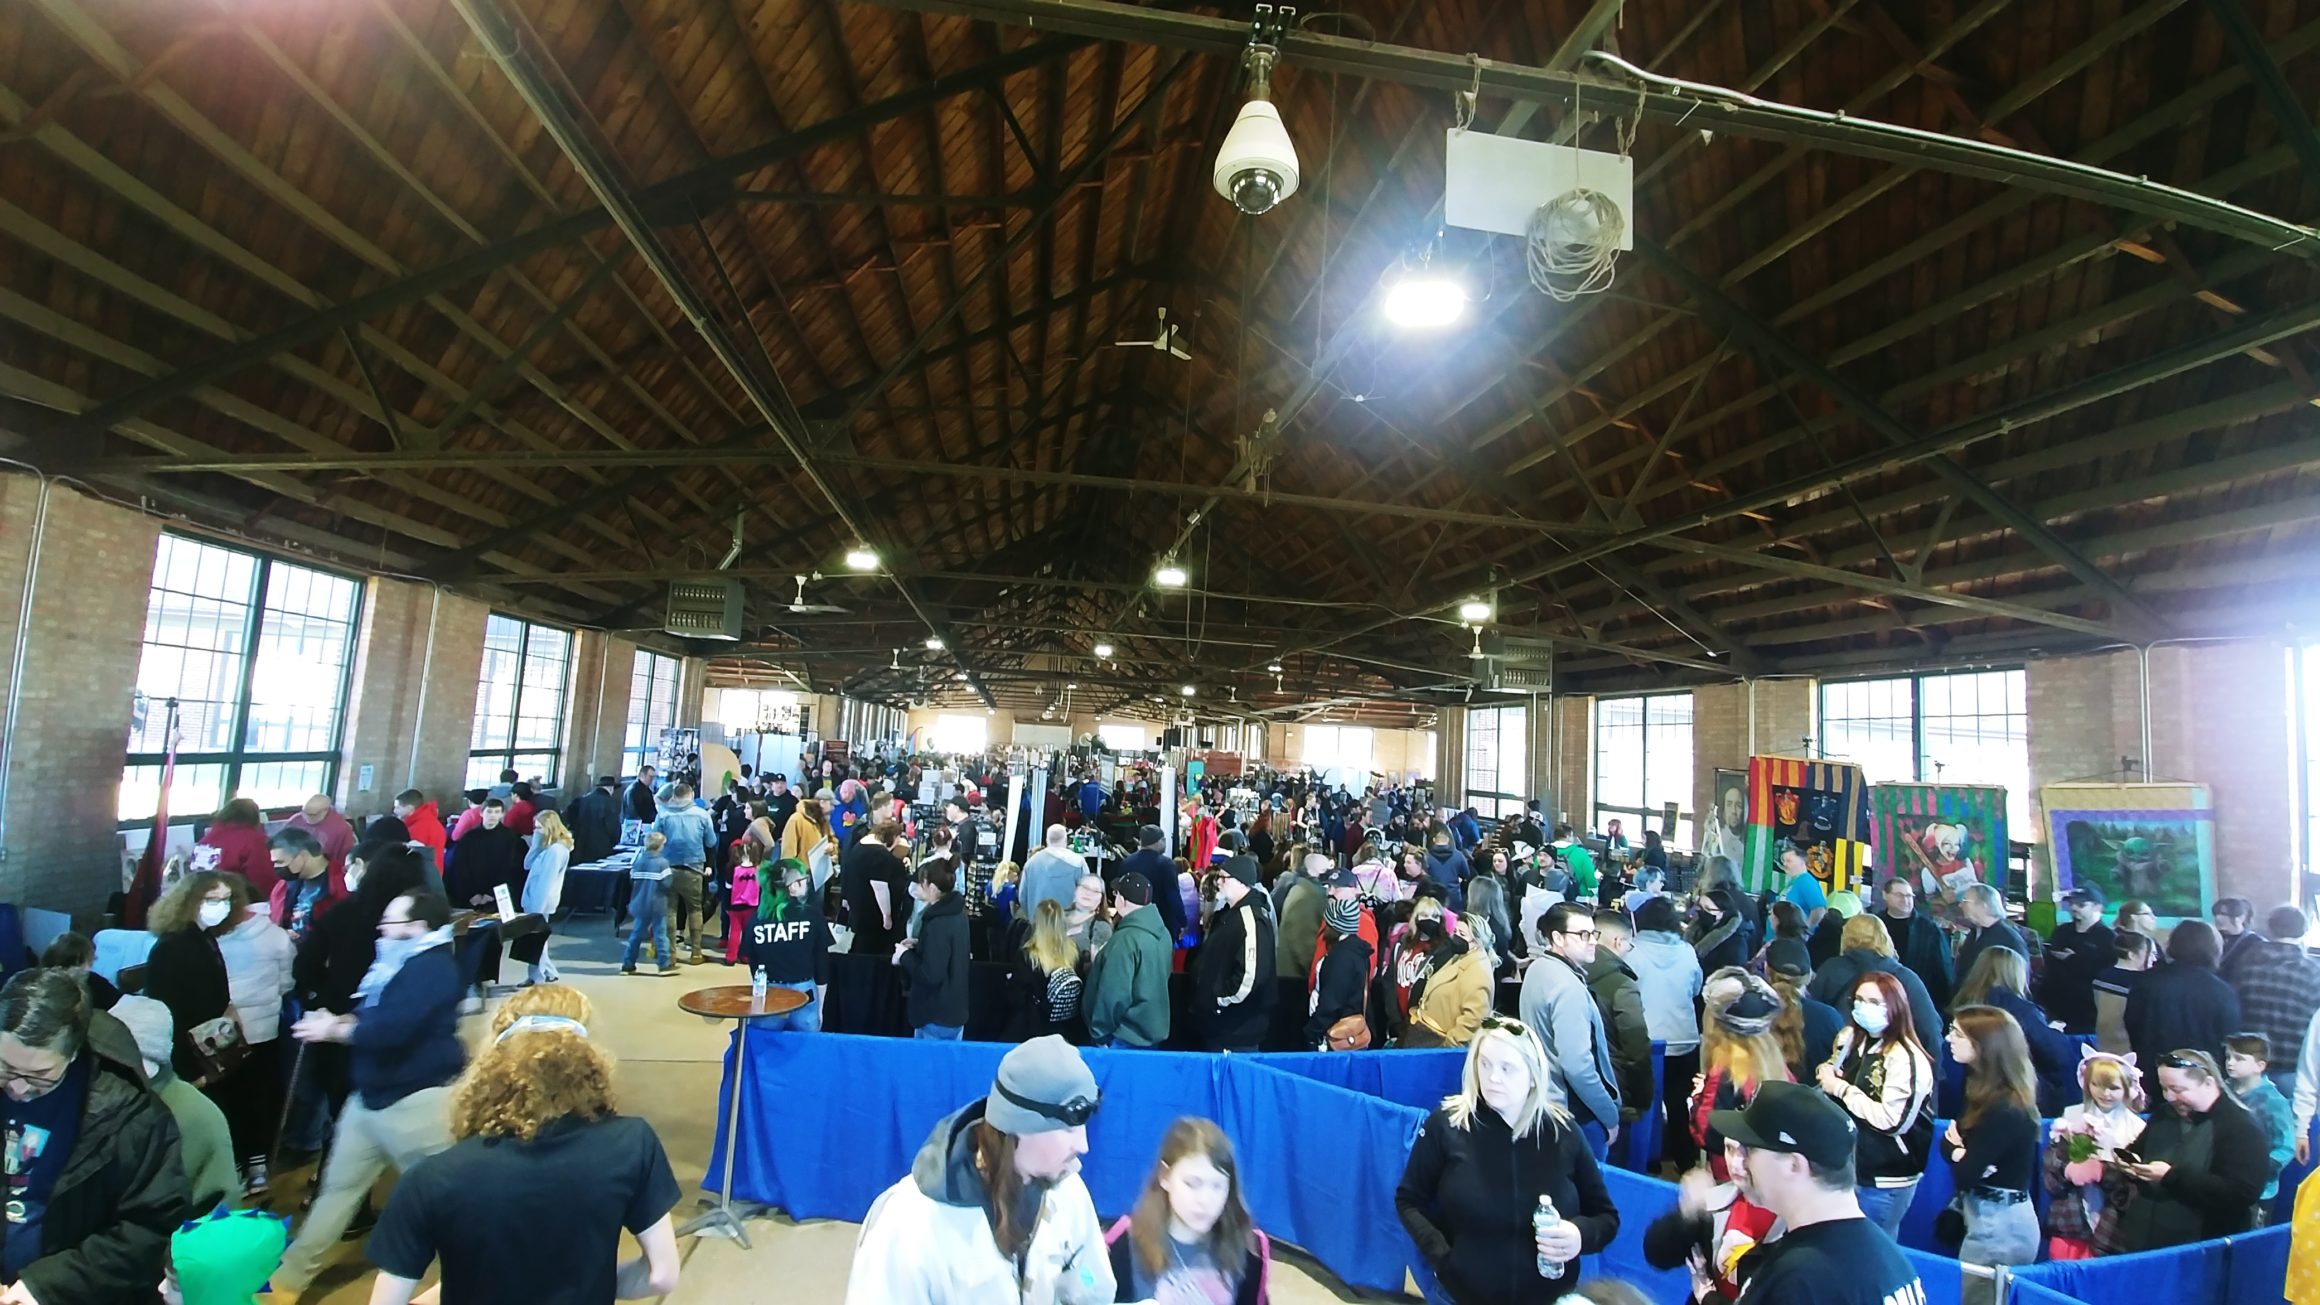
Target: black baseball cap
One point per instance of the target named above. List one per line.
(1792, 1119)
(2083, 893)
(1340, 878)
(1788, 956)
(1133, 888)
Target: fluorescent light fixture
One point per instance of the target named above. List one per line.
(1170, 575)
(1274, 667)
(860, 558)
(1103, 650)
(1474, 611)
(1425, 300)
(1189, 690)
(934, 644)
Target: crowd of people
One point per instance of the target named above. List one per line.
(1816, 1058)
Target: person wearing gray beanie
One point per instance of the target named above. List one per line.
(205, 1143)
(993, 1207)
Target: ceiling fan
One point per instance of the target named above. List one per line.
(1163, 341)
(801, 607)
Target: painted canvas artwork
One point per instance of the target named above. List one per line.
(1942, 836)
(1725, 831)
(2154, 842)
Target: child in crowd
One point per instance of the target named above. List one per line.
(2109, 1119)
(2247, 1062)
(648, 878)
(224, 1259)
(1190, 1237)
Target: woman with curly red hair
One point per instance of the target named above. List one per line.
(537, 1128)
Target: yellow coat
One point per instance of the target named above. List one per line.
(1456, 1001)
(2303, 1285)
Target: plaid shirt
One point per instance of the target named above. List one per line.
(2278, 993)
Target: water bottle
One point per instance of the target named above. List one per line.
(757, 985)
(1542, 1219)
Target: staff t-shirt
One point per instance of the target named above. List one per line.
(534, 1221)
(1841, 1262)
(39, 1135)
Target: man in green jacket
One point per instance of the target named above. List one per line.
(1127, 983)
(205, 1143)
(1621, 1001)
(1297, 903)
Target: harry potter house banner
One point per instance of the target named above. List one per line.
(1821, 807)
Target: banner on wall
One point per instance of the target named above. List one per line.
(2153, 842)
(1943, 836)
(1724, 830)
(1819, 807)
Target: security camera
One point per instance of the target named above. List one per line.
(1257, 168)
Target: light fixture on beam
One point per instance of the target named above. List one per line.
(1475, 611)
(1189, 690)
(1423, 296)
(861, 558)
(934, 644)
(1103, 650)
(1274, 667)
(1170, 575)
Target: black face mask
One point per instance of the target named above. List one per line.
(1429, 929)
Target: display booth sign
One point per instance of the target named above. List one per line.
(1942, 836)
(2152, 842)
(1821, 808)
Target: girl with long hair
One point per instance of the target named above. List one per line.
(1045, 977)
(549, 857)
(2000, 977)
(789, 940)
(1882, 1076)
(1190, 1241)
(1993, 1146)
(1480, 1167)
(543, 1175)
(1738, 1054)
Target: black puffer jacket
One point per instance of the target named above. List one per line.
(122, 1190)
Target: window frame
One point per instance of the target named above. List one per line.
(241, 756)
(2021, 827)
(1599, 811)
(515, 713)
(1495, 803)
(633, 755)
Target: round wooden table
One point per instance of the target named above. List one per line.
(734, 1001)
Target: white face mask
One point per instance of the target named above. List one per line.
(214, 914)
(1870, 1018)
(354, 877)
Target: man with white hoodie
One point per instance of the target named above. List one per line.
(930, 1240)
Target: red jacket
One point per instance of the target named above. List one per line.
(521, 816)
(243, 850)
(426, 826)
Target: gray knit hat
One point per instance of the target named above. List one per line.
(1741, 1003)
(1042, 1086)
(150, 1023)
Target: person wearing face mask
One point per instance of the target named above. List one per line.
(404, 1052)
(1189, 1240)
(1232, 978)
(993, 1209)
(935, 957)
(1480, 1165)
(187, 973)
(1881, 1075)
(95, 1185)
(1721, 935)
(2195, 1172)
(2109, 1118)
(1449, 1004)
(260, 963)
(790, 941)
(2077, 953)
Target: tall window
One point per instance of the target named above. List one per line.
(519, 700)
(1497, 759)
(1643, 761)
(962, 733)
(1972, 727)
(1422, 755)
(652, 707)
(1121, 736)
(1340, 747)
(256, 653)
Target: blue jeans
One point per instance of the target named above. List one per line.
(1996, 1233)
(805, 1019)
(650, 921)
(1885, 1206)
(939, 1032)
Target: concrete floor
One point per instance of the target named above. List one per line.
(669, 1068)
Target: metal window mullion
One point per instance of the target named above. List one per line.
(516, 699)
(257, 609)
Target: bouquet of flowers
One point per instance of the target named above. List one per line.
(2085, 1146)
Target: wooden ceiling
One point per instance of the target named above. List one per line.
(547, 314)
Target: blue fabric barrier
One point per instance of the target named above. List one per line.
(1940, 1184)
(1327, 1188)
(2244, 1270)
(1640, 1200)
(1639, 1142)
(1418, 1079)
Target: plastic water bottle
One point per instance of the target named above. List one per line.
(757, 985)
(1542, 1219)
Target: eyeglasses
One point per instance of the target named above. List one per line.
(1583, 935)
(1071, 1114)
(37, 1082)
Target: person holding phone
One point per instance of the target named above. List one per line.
(2196, 1171)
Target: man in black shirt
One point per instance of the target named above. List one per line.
(780, 803)
(1798, 1164)
(2077, 953)
(1918, 942)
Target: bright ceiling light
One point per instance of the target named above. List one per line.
(1189, 690)
(1274, 667)
(1474, 611)
(1170, 575)
(1425, 301)
(860, 558)
(1103, 650)
(934, 644)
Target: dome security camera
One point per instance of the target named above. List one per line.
(1257, 168)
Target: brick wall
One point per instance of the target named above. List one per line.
(411, 714)
(1572, 796)
(80, 667)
